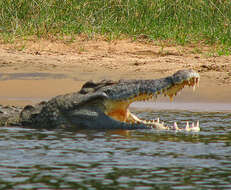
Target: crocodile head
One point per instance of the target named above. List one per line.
(117, 96)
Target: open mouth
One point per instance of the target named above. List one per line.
(118, 109)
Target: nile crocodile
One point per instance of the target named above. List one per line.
(102, 105)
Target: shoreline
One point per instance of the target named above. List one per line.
(31, 91)
(44, 69)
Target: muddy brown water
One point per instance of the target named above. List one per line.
(140, 159)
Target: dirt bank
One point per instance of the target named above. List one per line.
(38, 69)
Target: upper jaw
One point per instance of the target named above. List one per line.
(139, 90)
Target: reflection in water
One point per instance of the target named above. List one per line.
(118, 159)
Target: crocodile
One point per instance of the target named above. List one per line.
(102, 105)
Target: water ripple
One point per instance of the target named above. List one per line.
(141, 159)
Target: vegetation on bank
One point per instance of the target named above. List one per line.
(175, 21)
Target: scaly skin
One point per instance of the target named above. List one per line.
(103, 105)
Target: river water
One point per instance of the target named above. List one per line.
(140, 159)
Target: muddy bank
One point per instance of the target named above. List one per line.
(31, 71)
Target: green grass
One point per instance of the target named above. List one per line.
(174, 21)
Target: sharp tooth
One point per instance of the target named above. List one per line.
(198, 125)
(187, 125)
(175, 124)
(158, 120)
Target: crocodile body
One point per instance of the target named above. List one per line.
(102, 105)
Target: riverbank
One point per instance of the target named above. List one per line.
(34, 70)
